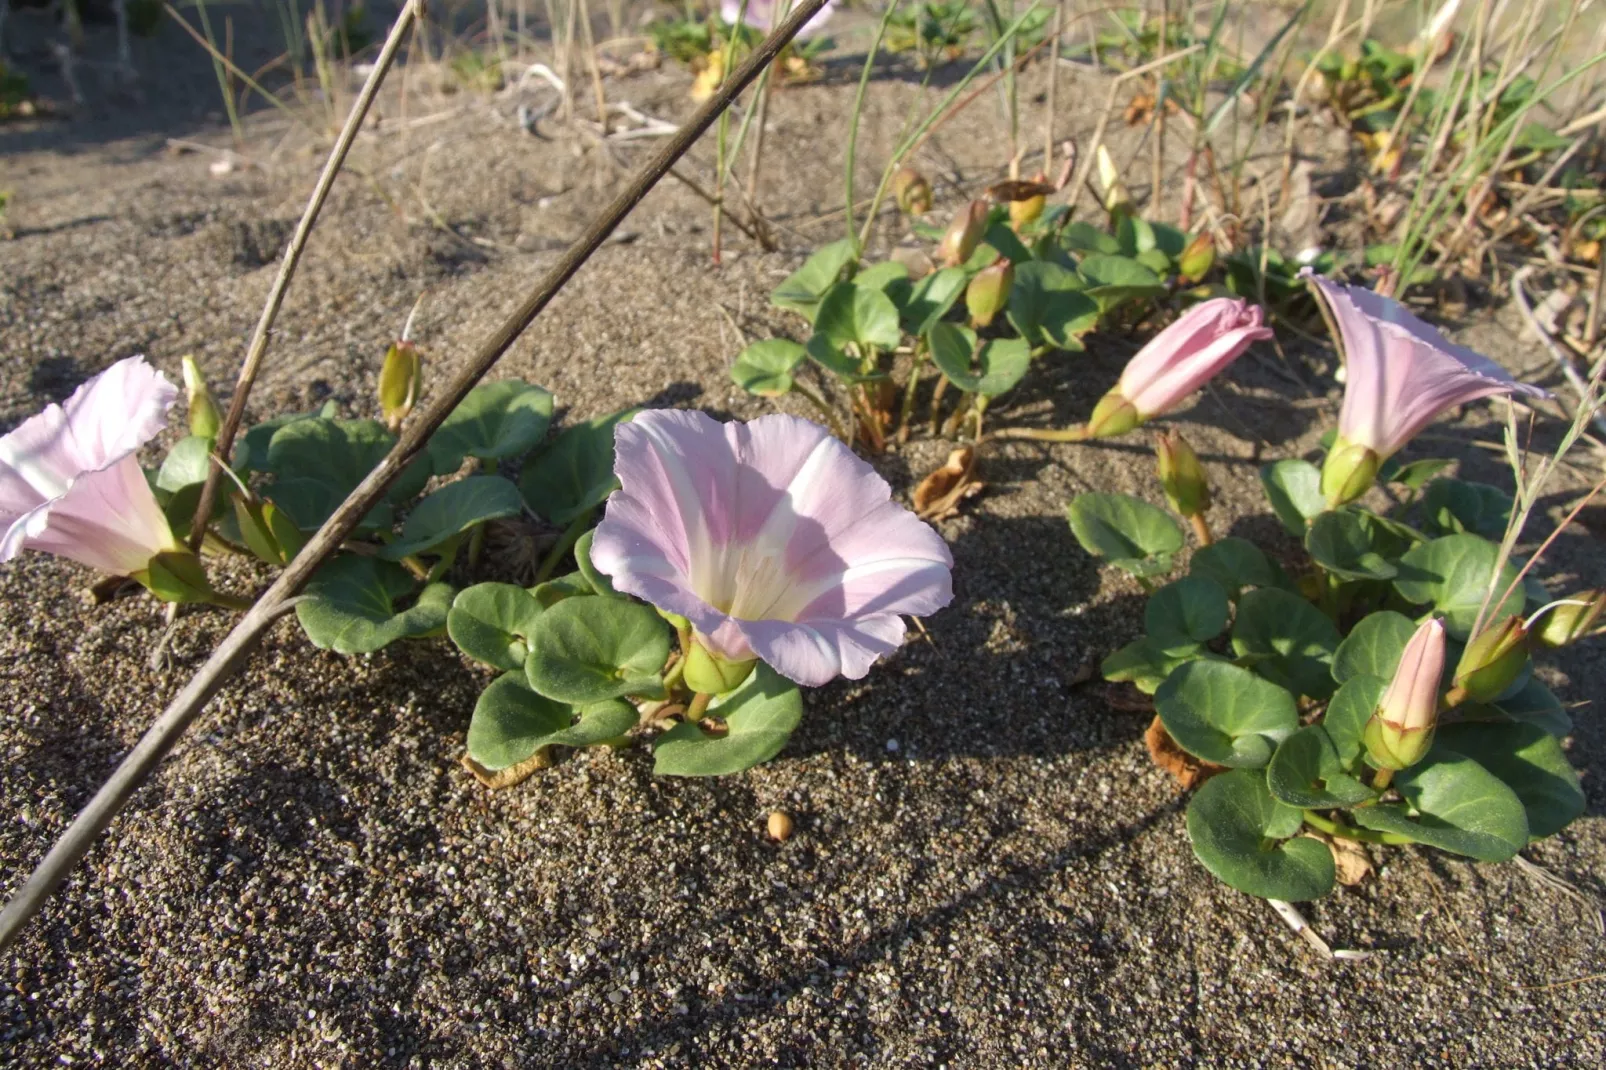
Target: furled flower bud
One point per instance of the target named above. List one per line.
(1492, 661)
(912, 191)
(399, 379)
(1181, 476)
(1572, 619)
(1198, 258)
(1028, 210)
(204, 417)
(1113, 415)
(712, 674)
(988, 293)
(964, 234)
(1348, 472)
(1401, 728)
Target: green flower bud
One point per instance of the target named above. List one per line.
(1348, 472)
(964, 234)
(204, 417)
(912, 192)
(1198, 258)
(711, 674)
(988, 293)
(1181, 476)
(1401, 728)
(399, 380)
(1113, 415)
(1493, 661)
(1571, 620)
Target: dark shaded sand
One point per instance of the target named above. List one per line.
(987, 870)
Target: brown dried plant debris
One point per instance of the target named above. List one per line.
(1189, 771)
(937, 496)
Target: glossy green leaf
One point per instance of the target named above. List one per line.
(930, 299)
(317, 463)
(1295, 641)
(1146, 665)
(991, 369)
(1185, 613)
(1225, 714)
(1236, 564)
(452, 511)
(856, 315)
(1294, 488)
(1234, 822)
(555, 590)
(1530, 762)
(1112, 280)
(1342, 544)
(585, 650)
(350, 606)
(1309, 772)
(843, 365)
(1348, 711)
(574, 474)
(185, 464)
(804, 288)
(1454, 804)
(1454, 575)
(1085, 238)
(765, 368)
(884, 276)
(1373, 647)
(491, 622)
(1001, 238)
(512, 722)
(1414, 474)
(1047, 306)
(493, 422)
(758, 718)
(1452, 506)
(1130, 533)
(1533, 703)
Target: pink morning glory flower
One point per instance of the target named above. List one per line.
(1401, 375)
(70, 483)
(765, 14)
(772, 538)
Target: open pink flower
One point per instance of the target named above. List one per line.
(70, 483)
(772, 538)
(765, 14)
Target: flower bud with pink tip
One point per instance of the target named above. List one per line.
(1401, 728)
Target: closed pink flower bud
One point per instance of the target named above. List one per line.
(1187, 354)
(1401, 728)
(70, 483)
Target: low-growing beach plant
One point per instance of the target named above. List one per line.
(1381, 689)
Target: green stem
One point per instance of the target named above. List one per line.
(813, 397)
(698, 706)
(853, 123)
(229, 601)
(571, 535)
(1348, 832)
(1045, 434)
(1382, 779)
(676, 671)
(909, 391)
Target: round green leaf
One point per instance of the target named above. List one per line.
(759, 717)
(1452, 506)
(885, 277)
(511, 723)
(1308, 772)
(1290, 640)
(1373, 646)
(1134, 235)
(1347, 713)
(1225, 714)
(1112, 280)
(555, 590)
(1185, 613)
(317, 463)
(765, 368)
(1233, 822)
(491, 622)
(1145, 665)
(930, 299)
(1412, 475)
(349, 606)
(1236, 564)
(493, 422)
(991, 370)
(1530, 762)
(858, 315)
(1456, 805)
(574, 474)
(803, 289)
(1085, 238)
(1294, 488)
(1047, 305)
(1342, 544)
(186, 463)
(1454, 574)
(451, 511)
(1130, 533)
(1533, 703)
(582, 557)
(585, 650)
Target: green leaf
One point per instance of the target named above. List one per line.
(1185, 613)
(574, 474)
(1307, 771)
(1230, 821)
(844, 366)
(1452, 506)
(511, 723)
(1348, 711)
(931, 298)
(1454, 574)
(765, 368)
(555, 590)
(491, 623)
(1294, 639)
(185, 464)
(1168, 239)
(1134, 235)
(1007, 244)
(1112, 280)
(317, 463)
(1130, 533)
(759, 717)
(991, 370)
(350, 606)
(586, 650)
(881, 276)
(1530, 762)
(1146, 665)
(451, 511)
(1236, 564)
(804, 289)
(1294, 488)
(1085, 238)
(1373, 646)
(857, 315)
(1342, 544)
(494, 421)
(582, 557)
(1456, 805)
(251, 448)
(1412, 475)
(1533, 704)
(1047, 306)
(1225, 714)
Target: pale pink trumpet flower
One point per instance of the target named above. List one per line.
(767, 14)
(1401, 374)
(771, 538)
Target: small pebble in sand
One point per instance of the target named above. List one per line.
(780, 826)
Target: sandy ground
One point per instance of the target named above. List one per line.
(987, 870)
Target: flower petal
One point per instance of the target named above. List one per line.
(815, 653)
(118, 411)
(109, 520)
(38, 462)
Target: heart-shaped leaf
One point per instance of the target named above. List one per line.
(493, 422)
(511, 723)
(885, 277)
(758, 717)
(452, 511)
(804, 288)
(1373, 646)
(574, 474)
(1342, 544)
(251, 448)
(1185, 613)
(491, 622)
(1225, 714)
(1047, 306)
(1007, 244)
(1454, 574)
(1112, 280)
(1413, 475)
(1085, 238)
(185, 464)
(317, 463)
(1294, 488)
(1134, 235)
(1530, 762)
(1452, 506)
(1145, 665)
(558, 588)
(1132, 534)
(1348, 711)
(1533, 703)
(1456, 805)
(989, 370)
(765, 368)
(930, 299)
(1236, 564)
(350, 606)
(856, 315)
(1295, 641)
(585, 650)
(1307, 771)
(1231, 821)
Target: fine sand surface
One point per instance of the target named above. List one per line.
(987, 869)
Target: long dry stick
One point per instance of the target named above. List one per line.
(252, 365)
(188, 703)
